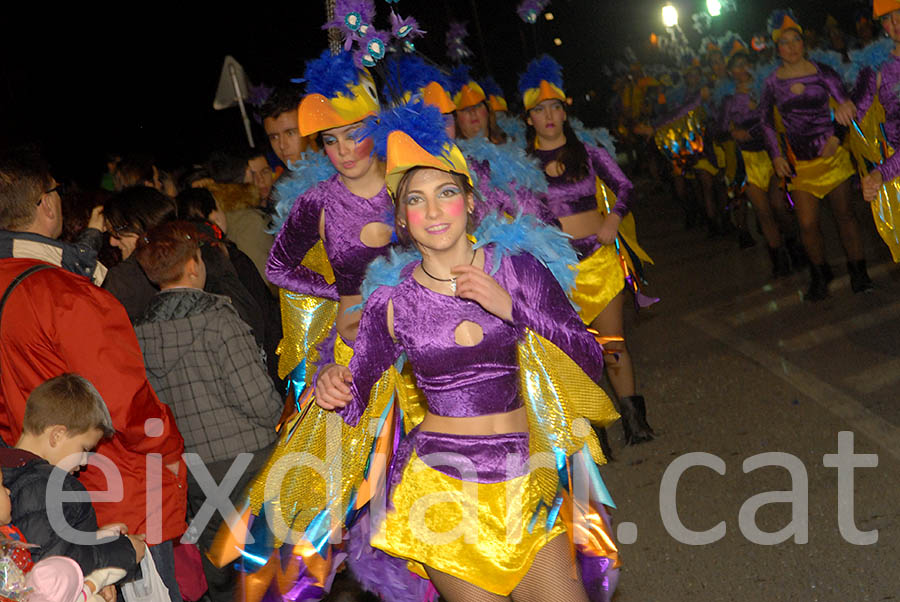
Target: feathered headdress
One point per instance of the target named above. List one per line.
(338, 94)
(465, 90)
(881, 8)
(495, 95)
(354, 18)
(780, 21)
(457, 49)
(413, 135)
(408, 74)
(529, 10)
(732, 44)
(542, 80)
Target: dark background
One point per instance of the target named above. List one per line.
(84, 81)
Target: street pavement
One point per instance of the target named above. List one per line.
(735, 364)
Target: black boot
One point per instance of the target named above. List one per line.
(798, 255)
(820, 276)
(604, 442)
(781, 262)
(859, 277)
(745, 240)
(634, 420)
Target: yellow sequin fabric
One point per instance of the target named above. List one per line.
(681, 140)
(606, 200)
(759, 168)
(306, 320)
(599, 280)
(822, 175)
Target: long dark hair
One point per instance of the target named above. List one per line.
(571, 156)
(400, 208)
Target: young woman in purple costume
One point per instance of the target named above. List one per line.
(801, 90)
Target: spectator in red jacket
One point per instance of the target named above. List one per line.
(56, 321)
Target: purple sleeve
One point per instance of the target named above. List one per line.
(833, 82)
(767, 109)
(530, 203)
(725, 119)
(613, 176)
(864, 91)
(298, 235)
(539, 303)
(374, 351)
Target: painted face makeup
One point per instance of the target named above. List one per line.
(436, 209)
(350, 157)
(547, 117)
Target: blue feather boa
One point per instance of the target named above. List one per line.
(525, 234)
(832, 59)
(512, 125)
(510, 165)
(302, 175)
(872, 56)
(724, 88)
(423, 123)
(597, 136)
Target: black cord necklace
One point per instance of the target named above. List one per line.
(452, 281)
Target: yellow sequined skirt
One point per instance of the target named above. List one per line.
(822, 175)
(600, 278)
(477, 532)
(707, 166)
(759, 168)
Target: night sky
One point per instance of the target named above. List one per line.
(82, 81)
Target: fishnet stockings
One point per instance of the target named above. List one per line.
(551, 578)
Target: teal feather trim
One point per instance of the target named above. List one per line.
(386, 271)
(872, 56)
(510, 165)
(597, 136)
(512, 125)
(527, 234)
(310, 170)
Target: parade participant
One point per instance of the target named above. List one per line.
(474, 114)
(801, 90)
(572, 169)
(877, 88)
(465, 316)
(740, 116)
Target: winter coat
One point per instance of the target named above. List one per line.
(203, 362)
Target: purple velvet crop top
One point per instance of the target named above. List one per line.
(568, 198)
(741, 112)
(806, 116)
(345, 216)
(462, 381)
(864, 94)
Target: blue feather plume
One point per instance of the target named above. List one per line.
(331, 74)
(423, 123)
(410, 73)
(872, 56)
(542, 68)
(386, 271)
(302, 175)
(829, 58)
(510, 165)
(512, 125)
(459, 77)
(527, 234)
(597, 136)
(776, 18)
(491, 87)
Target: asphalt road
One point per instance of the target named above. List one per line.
(734, 364)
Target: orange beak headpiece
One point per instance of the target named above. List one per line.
(465, 90)
(413, 135)
(782, 20)
(410, 75)
(495, 94)
(881, 8)
(541, 81)
(338, 94)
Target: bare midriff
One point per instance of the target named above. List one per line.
(348, 322)
(582, 225)
(515, 421)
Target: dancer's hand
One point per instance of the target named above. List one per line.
(609, 229)
(782, 167)
(845, 113)
(473, 283)
(831, 146)
(871, 184)
(333, 387)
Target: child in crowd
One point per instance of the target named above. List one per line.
(65, 418)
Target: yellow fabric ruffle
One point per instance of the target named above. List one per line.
(705, 165)
(822, 175)
(606, 200)
(465, 529)
(759, 168)
(599, 280)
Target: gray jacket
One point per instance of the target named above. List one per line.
(203, 361)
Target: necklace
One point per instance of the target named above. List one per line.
(452, 281)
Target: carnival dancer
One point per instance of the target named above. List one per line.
(572, 168)
(813, 158)
(477, 322)
(741, 117)
(878, 110)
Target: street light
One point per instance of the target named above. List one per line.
(714, 7)
(557, 41)
(670, 15)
